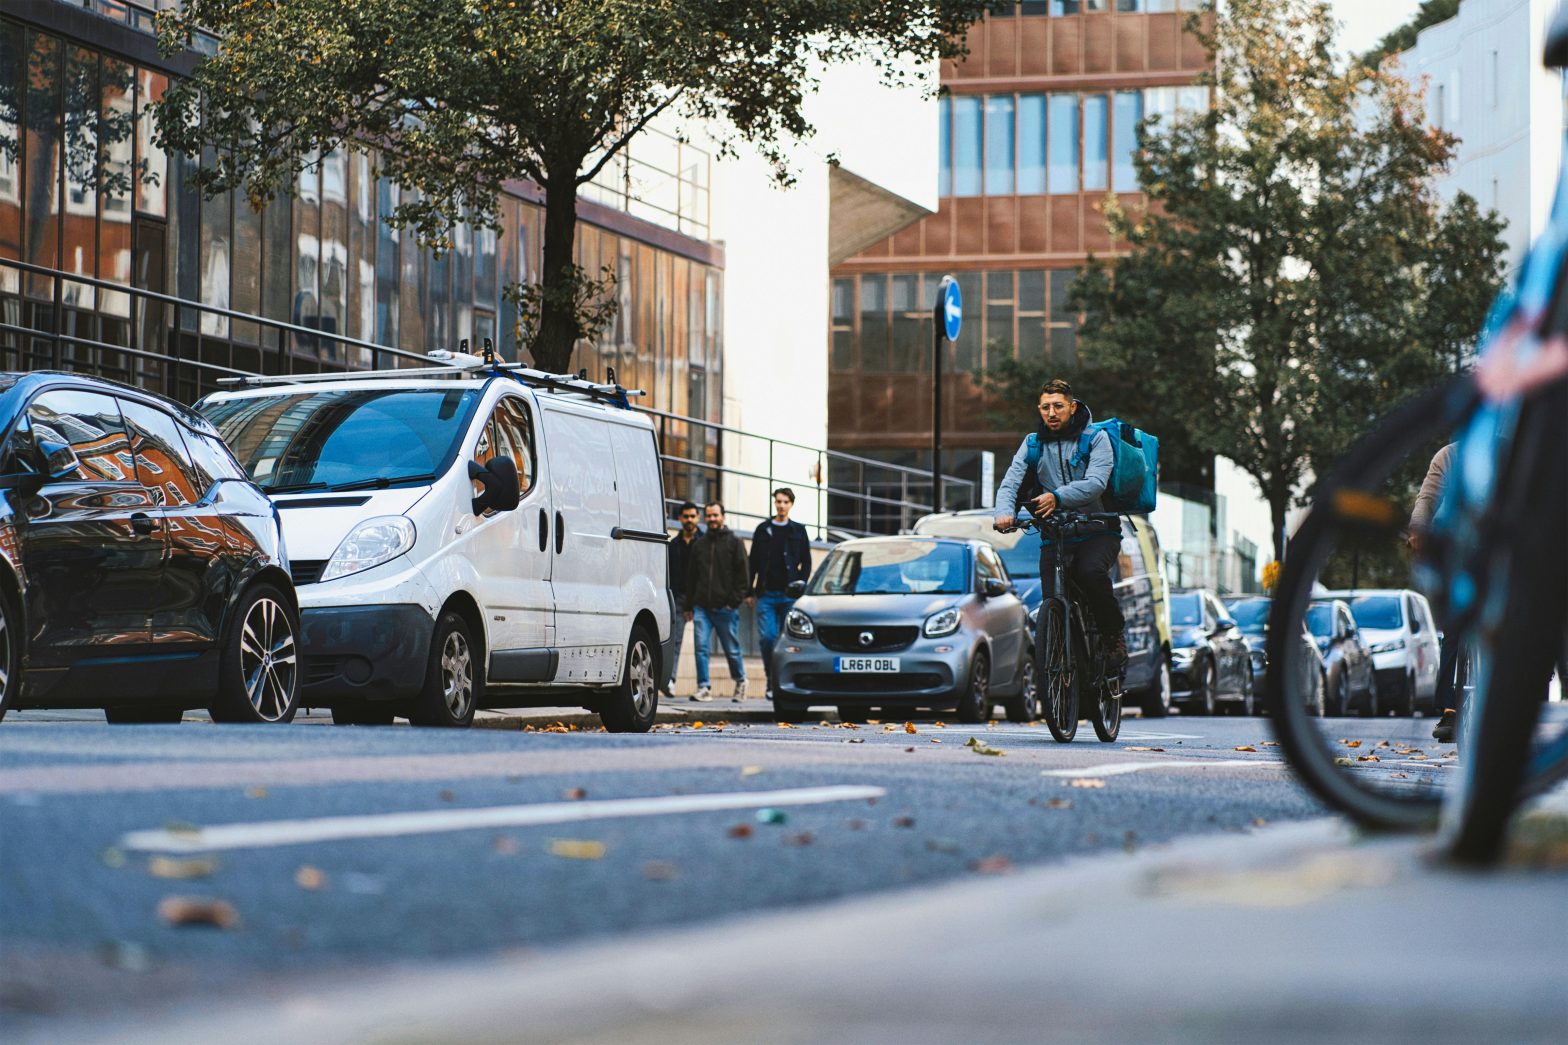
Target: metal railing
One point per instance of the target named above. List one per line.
(52, 319)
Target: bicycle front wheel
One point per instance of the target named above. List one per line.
(1058, 680)
(1105, 710)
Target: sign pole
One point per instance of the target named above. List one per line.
(947, 315)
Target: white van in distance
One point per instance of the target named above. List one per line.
(462, 537)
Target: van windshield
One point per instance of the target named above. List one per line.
(1021, 556)
(1377, 612)
(329, 438)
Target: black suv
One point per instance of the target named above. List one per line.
(140, 570)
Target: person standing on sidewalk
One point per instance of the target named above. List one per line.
(715, 586)
(780, 555)
(1448, 695)
(680, 554)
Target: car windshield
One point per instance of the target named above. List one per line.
(899, 567)
(1185, 610)
(1250, 614)
(1377, 612)
(322, 439)
(1320, 620)
(1019, 550)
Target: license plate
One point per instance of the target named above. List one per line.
(865, 664)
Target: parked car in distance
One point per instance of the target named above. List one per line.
(1210, 665)
(1397, 625)
(905, 623)
(1347, 658)
(140, 571)
(465, 538)
(1139, 584)
(1251, 614)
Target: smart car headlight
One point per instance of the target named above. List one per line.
(942, 623)
(799, 625)
(371, 543)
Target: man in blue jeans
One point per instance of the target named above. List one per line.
(715, 586)
(780, 555)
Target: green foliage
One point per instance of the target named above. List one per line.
(1295, 275)
(1430, 12)
(459, 96)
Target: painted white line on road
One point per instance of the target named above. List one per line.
(267, 833)
(1119, 768)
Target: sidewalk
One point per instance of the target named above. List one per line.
(1298, 933)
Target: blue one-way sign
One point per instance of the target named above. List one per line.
(952, 308)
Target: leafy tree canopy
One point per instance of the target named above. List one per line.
(1295, 274)
(458, 96)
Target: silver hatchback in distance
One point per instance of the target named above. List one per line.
(900, 623)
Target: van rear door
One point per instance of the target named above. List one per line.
(642, 539)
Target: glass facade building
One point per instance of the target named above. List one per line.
(85, 191)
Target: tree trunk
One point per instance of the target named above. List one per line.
(558, 323)
(1279, 503)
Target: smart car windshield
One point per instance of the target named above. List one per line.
(1377, 612)
(1185, 611)
(323, 439)
(1251, 615)
(1320, 620)
(1019, 550)
(898, 567)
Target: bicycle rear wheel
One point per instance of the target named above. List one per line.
(1058, 679)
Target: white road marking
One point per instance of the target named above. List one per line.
(389, 825)
(1119, 768)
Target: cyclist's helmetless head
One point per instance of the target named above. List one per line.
(1057, 404)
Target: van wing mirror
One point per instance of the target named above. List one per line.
(501, 488)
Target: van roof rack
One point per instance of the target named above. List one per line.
(458, 364)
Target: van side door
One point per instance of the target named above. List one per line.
(644, 547)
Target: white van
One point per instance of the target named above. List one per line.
(1397, 624)
(463, 537)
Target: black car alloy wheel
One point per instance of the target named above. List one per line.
(260, 671)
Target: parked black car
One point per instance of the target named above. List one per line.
(1351, 680)
(140, 570)
(1210, 664)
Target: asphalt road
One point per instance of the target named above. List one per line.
(347, 850)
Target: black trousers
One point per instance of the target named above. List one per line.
(1090, 574)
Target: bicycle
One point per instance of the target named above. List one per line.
(1487, 564)
(1070, 656)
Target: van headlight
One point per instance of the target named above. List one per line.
(943, 623)
(1389, 647)
(371, 543)
(799, 625)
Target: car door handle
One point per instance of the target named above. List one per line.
(143, 523)
(560, 533)
(544, 530)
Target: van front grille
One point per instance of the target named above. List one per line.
(306, 571)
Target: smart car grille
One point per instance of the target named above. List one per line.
(306, 571)
(890, 683)
(883, 638)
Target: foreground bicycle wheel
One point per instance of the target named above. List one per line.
(1057, 679)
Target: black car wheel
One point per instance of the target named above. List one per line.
(974, 701)
(259, 674)
(454, 682)
(10, 655)
(1249, 687)
(1025, 707)
(1203, 702)
(631, 706)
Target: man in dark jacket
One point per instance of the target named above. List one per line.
(780, 555)
(680, 554)
(715, 586)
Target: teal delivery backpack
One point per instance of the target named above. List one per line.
(1135, 465)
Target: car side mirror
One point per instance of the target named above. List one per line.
(57, 460)
(1226, 624)
(502, 491)
(796, 589)
(995, 586)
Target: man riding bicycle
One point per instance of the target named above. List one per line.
(1067, 479)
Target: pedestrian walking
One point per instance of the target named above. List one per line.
(1448, 695)
(715, 586)
(780, 555)
(680, 554)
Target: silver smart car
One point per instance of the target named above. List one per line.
(899, 623)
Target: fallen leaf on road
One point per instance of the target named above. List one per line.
(991, 724)
(198, 911)
(576, 849)
(504, 844)
(1059, 803)
(310, 878)
(697, 725)
(1271, 743)
(1258, 821)
(890, 729)
(855, 740)
(909, 727)
(980, 747)
(746, 771)
(903, 821)
(1351, 743)
(448, 795)
(171, 867)
(1368, 758)
(255, 792)
(1086, 782)
(855, 825)
(936, 740)
(739, 831)
(572, 794)
(909, 751)
(1245, 747)
(660, 871)
(993, 865)
(784, 725)
(803, 838)
(1382, 743)
(1344, 761)
(1144, 749)
(939, 725)
(873, 722)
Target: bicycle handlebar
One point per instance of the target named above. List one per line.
(1065, 523)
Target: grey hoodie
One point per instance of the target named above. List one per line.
(1077, 489)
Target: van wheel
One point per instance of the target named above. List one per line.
(10, 655)
(258, 678)
(453, 681)
(631, 706)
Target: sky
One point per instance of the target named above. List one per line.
(1363, 22)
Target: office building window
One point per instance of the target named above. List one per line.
(1129, 6)
(999, 337)
(1031, 144)
(1095, 158)
(873, 323)
(843, 324)
(1129, 110)
(1064, 7)
(944, 148)
(1062, 155)
(999, 145)
(1030, 8)
(1031, 315)
(968, 134)
(1064, 321)
(911, 324)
